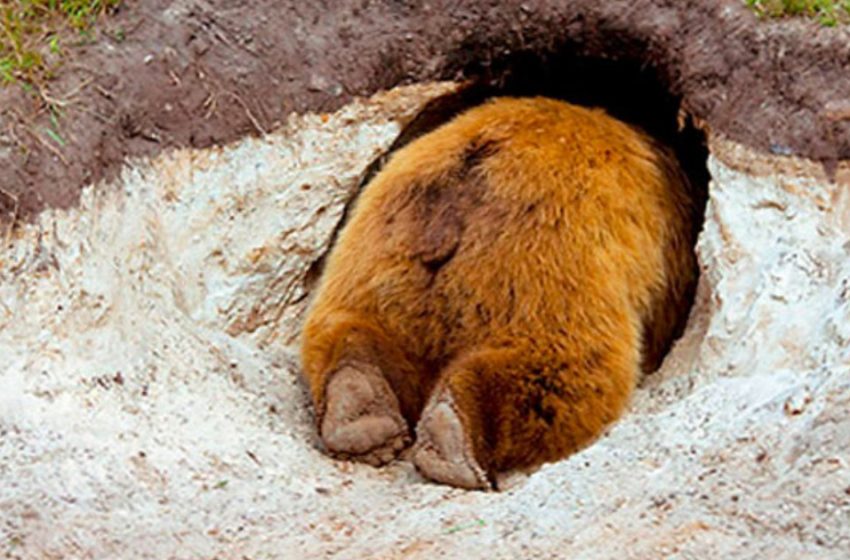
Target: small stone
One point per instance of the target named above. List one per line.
(797, 403)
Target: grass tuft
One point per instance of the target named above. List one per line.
(31, 34)
(828, 12)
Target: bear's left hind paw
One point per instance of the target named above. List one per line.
(362, 421)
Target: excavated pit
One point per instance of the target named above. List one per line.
(151, 403)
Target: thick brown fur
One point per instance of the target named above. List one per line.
(499, 287)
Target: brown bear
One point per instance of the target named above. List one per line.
(500, 285)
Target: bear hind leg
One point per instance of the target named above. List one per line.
(351, 364)
(362, 421)
(499, 410)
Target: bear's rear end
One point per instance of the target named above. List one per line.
(498, 287)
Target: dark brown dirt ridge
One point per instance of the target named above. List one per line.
(205, 72)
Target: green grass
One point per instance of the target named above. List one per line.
(33, 34)
(828, 12)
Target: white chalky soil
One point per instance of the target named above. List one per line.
(150, 405)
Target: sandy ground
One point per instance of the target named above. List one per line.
(151, 405)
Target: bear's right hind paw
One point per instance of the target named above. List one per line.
(443, 450)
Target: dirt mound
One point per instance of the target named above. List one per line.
(189, 73)
(151, 407)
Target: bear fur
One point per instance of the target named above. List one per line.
(497, 291)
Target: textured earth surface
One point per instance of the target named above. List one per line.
(151, 405)
(198, 73)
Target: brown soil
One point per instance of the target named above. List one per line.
(204, 72)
